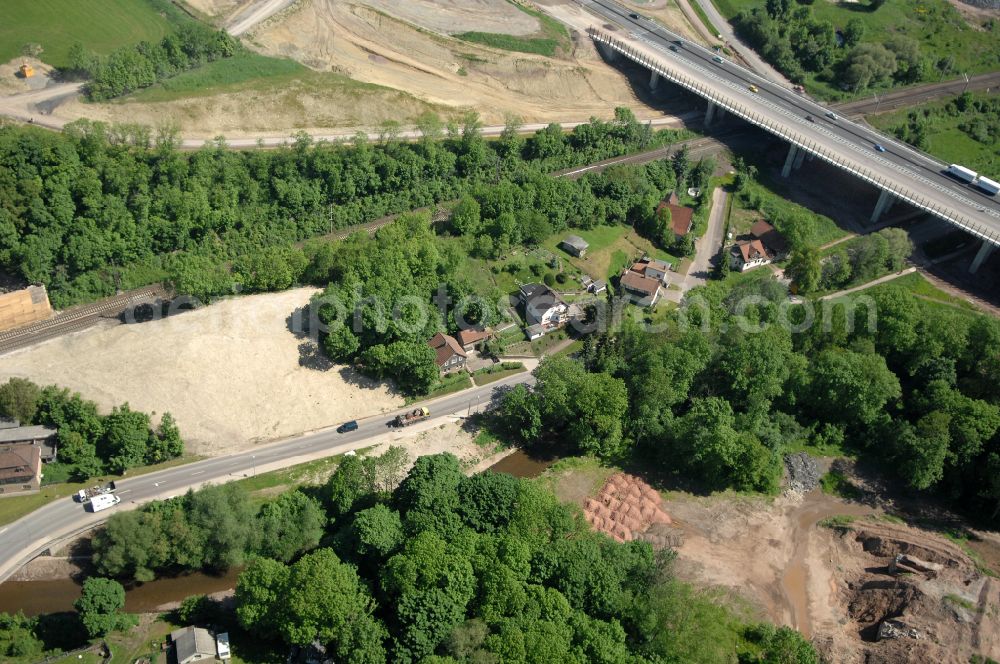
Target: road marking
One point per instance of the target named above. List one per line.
(198, 472)
(120, 492)
(3, 531)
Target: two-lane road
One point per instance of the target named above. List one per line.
(26, 538)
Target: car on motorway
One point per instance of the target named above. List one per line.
(680, 42)
(810, 118)
(879, 148)
(718, 59)
(831, 115)
(673, 48)
(753, 88)
(348, 426)
(634, 17)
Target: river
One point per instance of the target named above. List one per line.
(55, 595)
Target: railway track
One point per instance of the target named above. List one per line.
(75, 319)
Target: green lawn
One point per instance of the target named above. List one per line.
(495, 373)
(100, 25)
(944, 137)
(611, 248)
(929, 294)
(240, 72)
(310, 472)
(447, 385)
(766, 199)
(549, 40)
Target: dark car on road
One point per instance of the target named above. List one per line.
(634, 17)
(879, 148)
(348, 426)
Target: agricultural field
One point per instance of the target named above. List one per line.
(56, 24)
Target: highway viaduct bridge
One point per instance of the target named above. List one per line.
(898, 171)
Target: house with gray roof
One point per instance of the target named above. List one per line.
(574, 245)
(193, 644)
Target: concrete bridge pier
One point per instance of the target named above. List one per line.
(984, 252)
(884, 204)
(654, 81)
(799, 158)
(793, 151)
(710, 113)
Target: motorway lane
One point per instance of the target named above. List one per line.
(22, 540)
(850, 142)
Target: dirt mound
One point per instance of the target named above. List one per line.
(626, 508)
(893, 544)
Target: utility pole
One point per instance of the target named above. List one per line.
(966, 88)
(877, 101)
(253, 462)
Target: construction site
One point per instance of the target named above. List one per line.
(859, 582)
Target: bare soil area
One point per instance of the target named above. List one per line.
(834, 584)
(408, 50)
(262, 110)
(457, 16)
(216, 7)
(231, 373)
(405, 49)
(11, 82)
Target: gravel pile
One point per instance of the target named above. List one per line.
(803, 472)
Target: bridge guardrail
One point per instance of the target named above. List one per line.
(797, 140)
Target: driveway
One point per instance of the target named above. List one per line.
(708, 245)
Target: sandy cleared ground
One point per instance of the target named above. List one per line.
(266, 110)
(216, 7)
(376, 43)
(455, 16)
(230, 373)
(834, 585)
(10, 81)
(408, 50)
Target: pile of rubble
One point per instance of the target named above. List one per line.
(912, 596)
(803, 472)
(625, 508)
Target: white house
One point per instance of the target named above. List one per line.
(543, 307)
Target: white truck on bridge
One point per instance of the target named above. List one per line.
(962, 173)
(989, 186)
(103, 502)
